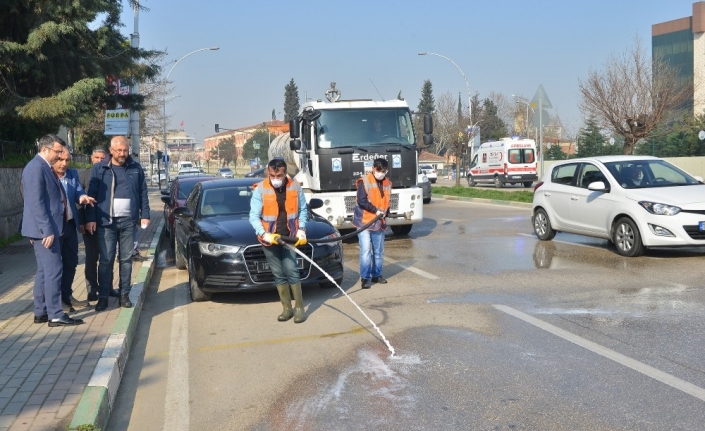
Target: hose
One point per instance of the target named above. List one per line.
(338, 238)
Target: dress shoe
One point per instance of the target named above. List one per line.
(138, 258)
(78, 303)
(366, 284)
(67, 307)
(102, 304)
(93, 296)
(65, 321)
(41, 319)
(125, 301)
(115, 293)
(380, 280)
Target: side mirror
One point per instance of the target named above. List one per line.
(295, 128)
(315, 203)
(165, 192)
(182, 212)
(427, 124)
(165, 199)
(598, 186)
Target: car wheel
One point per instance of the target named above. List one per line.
(197, 295)
(626, 238)
(542, 226)
(402, 229)
(498, 182)
(179, 257)
(432, 180)
(427, 200)
(512, 183)
(527, 184)
(471, 181)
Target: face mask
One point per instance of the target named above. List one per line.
(379, 175)
(276, 182)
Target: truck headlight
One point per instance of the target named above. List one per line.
(660, 209)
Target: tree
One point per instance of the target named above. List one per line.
(262, 137)
(225, 150)
(291, 101)
(590, 140)
(427, 104)
(54, 61)
(633, 95)
(555, 153)
(492, 128)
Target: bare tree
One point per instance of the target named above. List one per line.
(633, 94)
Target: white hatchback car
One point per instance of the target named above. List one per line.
(633, 201)
(430, 172)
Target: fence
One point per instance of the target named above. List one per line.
(9, 149)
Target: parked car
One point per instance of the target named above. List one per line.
(635, 202)
(257, 173)
(430, 172)
(217, 244)
(175, 197)
(226, 173)
(184, 172)
(159, 178)
(425, 184)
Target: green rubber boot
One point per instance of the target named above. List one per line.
(285, 297)
(300, 314)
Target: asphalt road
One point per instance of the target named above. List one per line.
(492, 329)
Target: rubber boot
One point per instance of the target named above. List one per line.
(285, 297)
(300, 314)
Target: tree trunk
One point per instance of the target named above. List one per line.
(629, 145)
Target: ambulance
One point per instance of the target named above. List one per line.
(509, 160)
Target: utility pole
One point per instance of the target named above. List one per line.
(134, 88)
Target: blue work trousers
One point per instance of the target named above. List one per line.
(371, 253)
(120, 231)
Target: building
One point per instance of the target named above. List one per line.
(240, 136)
(180, 145)
(681, 43)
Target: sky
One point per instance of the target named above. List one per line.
(501, 46)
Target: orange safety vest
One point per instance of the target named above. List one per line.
(270, 207)
(361, 217)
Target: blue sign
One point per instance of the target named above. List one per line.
(337, 164)
(166, 158)
(396, 161)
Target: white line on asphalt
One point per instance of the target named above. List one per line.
(635, 365)
(408, 267)
(177, 411)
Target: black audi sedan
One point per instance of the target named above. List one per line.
(215, 241)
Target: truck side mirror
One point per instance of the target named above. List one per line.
(427, 140)
(427, 124)
(295, 144)
(294, 128)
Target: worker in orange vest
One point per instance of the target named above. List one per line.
(374, 190)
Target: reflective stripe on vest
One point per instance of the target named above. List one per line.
(362, 216)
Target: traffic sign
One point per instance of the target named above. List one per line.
(255, 145)
(541, 97)
(166, 158)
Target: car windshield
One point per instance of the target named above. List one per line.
(225, 170)
(639, 174)
(185, 190)
(226, 200)
(338, 128)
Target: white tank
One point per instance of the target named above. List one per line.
(280, 148)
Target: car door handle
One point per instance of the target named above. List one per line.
(547, 194)
(573, 198)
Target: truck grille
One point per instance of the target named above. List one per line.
(351, 202)
(254, 254)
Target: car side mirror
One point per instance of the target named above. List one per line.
(165, 199)
(598, 186)
(182, 212)
(165, 192)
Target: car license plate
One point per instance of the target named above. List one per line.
(701, 226)
(264, 266)
(516, 177)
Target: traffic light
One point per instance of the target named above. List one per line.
(159, 155)
(151, 158)
(217, 128)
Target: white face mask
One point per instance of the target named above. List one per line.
(379, 175)
(276, 182)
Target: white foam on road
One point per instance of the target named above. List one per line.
(619, 358)
(177, 410)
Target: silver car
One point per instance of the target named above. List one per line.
(226, 173)
(423, 182)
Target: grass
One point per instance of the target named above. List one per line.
(470, 192)
(5, 242)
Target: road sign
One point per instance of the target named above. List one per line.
(255, 145)
(543, 97)
(166, 158)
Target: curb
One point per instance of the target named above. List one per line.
(99, 396)
(484, 201)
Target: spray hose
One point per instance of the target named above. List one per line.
(337, 238)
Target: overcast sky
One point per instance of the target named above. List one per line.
(508, 47)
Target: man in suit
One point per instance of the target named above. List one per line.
(69, 241)
(43, 222)
(120, 189)
(90, 240)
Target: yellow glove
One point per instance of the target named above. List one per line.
(271, 238)
(301, 238)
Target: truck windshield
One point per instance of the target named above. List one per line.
(364, 128)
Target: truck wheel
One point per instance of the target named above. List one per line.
(498, 183)
(401, 229)
(527, 184)
(471, 181)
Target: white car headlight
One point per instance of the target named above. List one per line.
(217, 249)
(660, 209)
(423, 179)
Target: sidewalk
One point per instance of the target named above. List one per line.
(44, 371)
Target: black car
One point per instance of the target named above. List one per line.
(257, 173)
(215, 240)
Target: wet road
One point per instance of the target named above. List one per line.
(493, 329)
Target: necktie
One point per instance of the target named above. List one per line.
(63, 198)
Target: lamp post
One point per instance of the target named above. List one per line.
(521, 99)
(469, 97)
(166, 147)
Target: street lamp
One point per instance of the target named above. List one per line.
(469, 97)
(521, 99)
(166, 148)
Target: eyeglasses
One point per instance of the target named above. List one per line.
(61, 151)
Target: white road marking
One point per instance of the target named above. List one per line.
(411, 268)
(177, 410)
(635, 365)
